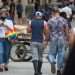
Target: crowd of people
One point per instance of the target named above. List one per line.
(54, 32)
(15, 8)
(46, 10)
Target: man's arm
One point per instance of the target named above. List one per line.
(66, 31)
(46, 31)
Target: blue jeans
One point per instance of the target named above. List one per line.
(6, 55)
(1, 52)
(37, 51)
(57, 46)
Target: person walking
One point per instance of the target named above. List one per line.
(36, 5)
(2, 36)
(8, 27)
(63, 15)
(12, 9)
(39, 28)
(58, 29)
(19, 9)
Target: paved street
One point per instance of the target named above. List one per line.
(25, 68)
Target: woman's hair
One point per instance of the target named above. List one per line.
(63, 14)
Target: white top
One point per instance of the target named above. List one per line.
(2, 32)
(8, 23)
(67, 10)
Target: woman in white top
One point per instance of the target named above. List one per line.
(7, 25)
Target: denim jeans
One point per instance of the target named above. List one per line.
(6, 55)
(1, 52)
(37, 51)
(57, 46)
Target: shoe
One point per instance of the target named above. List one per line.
(1, 70)
(36, 74)
(40, 73)
(6, 68)
(35, 64)
(53, 68)
(39, 67)
(59, 72)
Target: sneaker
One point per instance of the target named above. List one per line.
(59, 72)
(53, 68)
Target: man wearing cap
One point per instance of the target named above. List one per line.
(39, 28)
(58, 29)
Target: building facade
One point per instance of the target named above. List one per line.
(41, 2)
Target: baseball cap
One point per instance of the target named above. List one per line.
(38, 13)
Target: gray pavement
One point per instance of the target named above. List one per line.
(25, 68)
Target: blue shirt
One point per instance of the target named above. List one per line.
(19, 8)
(37, 26)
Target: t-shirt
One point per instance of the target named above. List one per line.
(8, 23)
(11, 33)
(9, 30)
(2, 32)
(56, 25)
